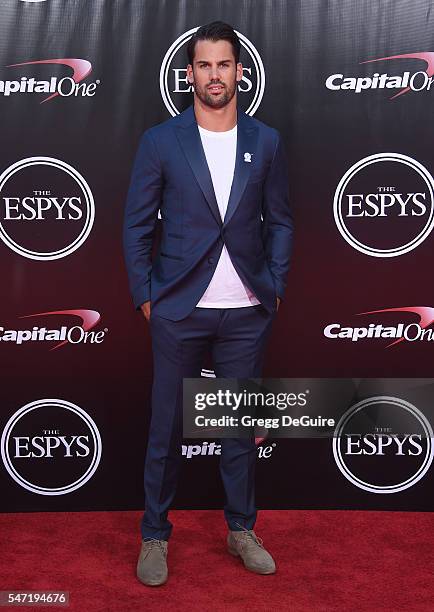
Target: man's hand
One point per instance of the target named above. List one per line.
(146, 309)
(277, 303)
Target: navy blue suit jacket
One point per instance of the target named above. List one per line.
(171, 174)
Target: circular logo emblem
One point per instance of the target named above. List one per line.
(384, 205)
(46, 208)
(51, 447)
(175, 88)
(383, 445)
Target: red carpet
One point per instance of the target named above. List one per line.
(327, 560)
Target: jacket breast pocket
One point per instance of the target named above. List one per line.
(258, 174)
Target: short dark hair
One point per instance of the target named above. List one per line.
(216, 30)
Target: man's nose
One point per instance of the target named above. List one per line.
(214, 73)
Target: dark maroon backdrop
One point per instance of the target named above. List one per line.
(326, 131)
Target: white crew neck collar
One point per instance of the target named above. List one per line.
(213, 134)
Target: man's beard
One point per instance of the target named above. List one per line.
(215, 102)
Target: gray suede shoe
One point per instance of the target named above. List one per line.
(152, 564)
(248, 546)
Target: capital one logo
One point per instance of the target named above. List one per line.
(47, 209)
(403, 330)
(420, 80)
(384, 205)
(60, 334)
(51, 447)
(383, 444)
(211, 448)
(67, 86)
(175, 88)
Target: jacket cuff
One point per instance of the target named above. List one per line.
(280, 290)
(141, 295)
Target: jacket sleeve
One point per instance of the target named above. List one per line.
(278, 228)
(140, 217)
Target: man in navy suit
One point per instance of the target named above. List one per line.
(219, 179)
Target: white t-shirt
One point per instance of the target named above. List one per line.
(226, 289)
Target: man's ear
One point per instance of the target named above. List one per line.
(190, 77)
(239, 71)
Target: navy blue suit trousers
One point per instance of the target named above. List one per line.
(237, 340)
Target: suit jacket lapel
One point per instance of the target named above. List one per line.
(189, 139)
(247, 136)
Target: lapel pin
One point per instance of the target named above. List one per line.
(247, 157)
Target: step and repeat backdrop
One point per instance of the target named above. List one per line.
(349, 84)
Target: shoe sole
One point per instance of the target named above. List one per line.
(234, 553)
(151, 584)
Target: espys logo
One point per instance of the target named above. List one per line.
(383, 445)
(417, 331)
(47, 209)
(174, 84)
(65, 87)
(51, 447)
(72, 334)
(384, 205)
(421, 80)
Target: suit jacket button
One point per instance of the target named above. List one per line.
(210, 260)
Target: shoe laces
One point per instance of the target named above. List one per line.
(249, 535)
(154, 543)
